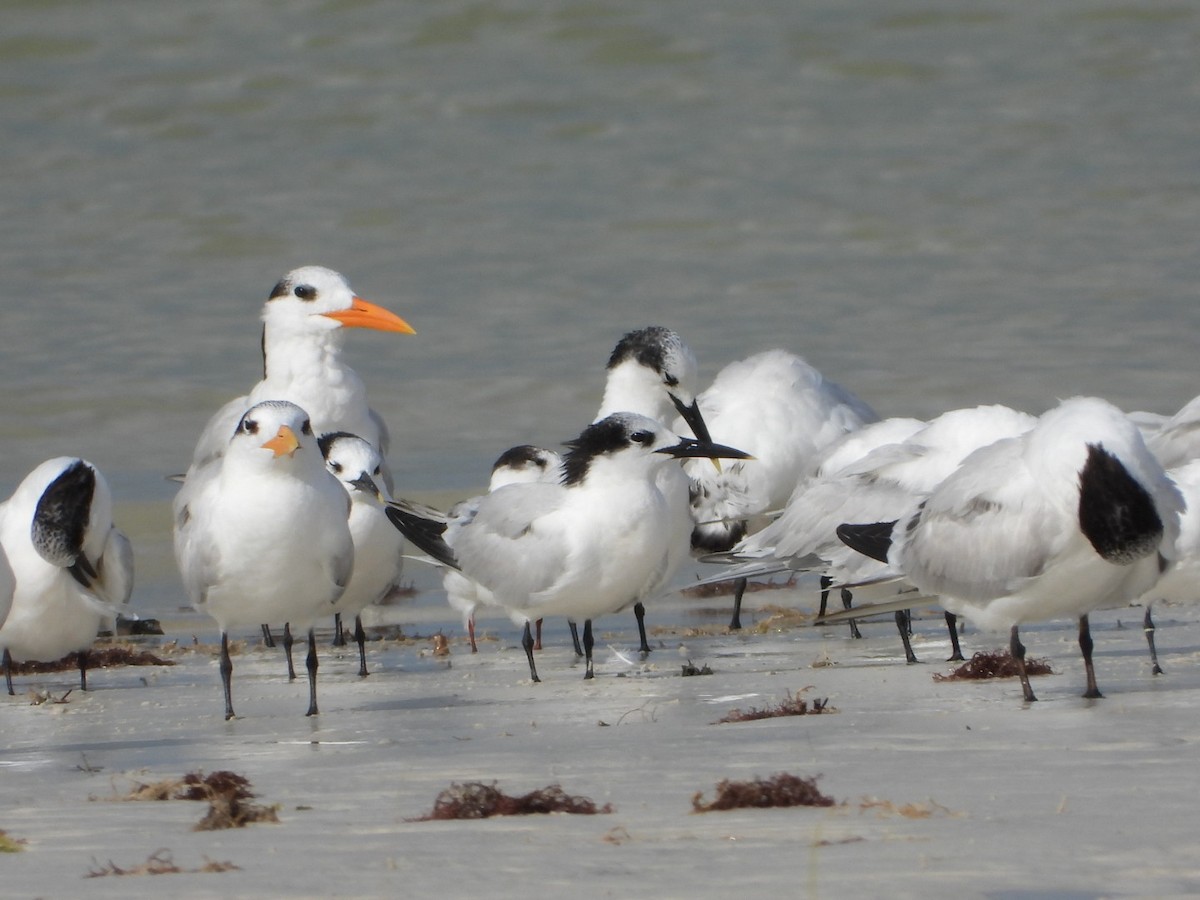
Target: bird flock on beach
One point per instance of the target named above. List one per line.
(288, 513)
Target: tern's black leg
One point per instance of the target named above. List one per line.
(287, 649)
(1148, 627)
(739, 589)
(227, 675)
(8, 672)
(537, 639)
(826, 583)
(267, 639)
(847, 602)
(575, 638)
(1018, 653)
(952, 625)
(1085, 647)
(83, 661)
(339, 637)
(588, 643)
(639, 612)
(311, 664)
(360, 638)
(902, 623)
(527, 643)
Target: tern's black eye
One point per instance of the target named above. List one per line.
(306, 428)
(376, 470)
(642, 437)
(305, 292)
(249, 426)
(336, 468)
(671, 381)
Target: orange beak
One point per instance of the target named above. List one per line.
(284, 443)
(362, 314)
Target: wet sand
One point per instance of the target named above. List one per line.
(944, 788)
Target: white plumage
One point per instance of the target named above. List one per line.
(783, 412)
(519, 465)
(872, 475)
(1072, 516)
(1175, 440)
(262, 534)
(1180, 583)
(70, 565)
(773, 405)
(304, 323)
(591, 545)
(378, 547)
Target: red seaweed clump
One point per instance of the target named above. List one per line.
(228, 795)
(97, 658)
(762, 793)
(789, 706)
(475, 800)
(994, 664)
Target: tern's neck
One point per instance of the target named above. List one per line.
(634, 388)
(297, 355)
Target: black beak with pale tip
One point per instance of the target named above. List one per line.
(691, 448)
(366, 485)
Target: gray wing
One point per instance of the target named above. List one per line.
(195, 551)
(115, 568)
(984, 531)
(514, 546)
(217, 432)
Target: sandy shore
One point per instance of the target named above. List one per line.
(944, 789)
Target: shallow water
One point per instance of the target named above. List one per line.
(938, 204)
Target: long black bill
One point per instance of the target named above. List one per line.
(688, 447)
(695, 421)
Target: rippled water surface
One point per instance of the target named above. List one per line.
(936, 203)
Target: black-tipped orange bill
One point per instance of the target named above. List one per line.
(284, 443)
(362, 314)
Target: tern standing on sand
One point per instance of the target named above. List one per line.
(594, 544)
(262, 534)
(71, 565)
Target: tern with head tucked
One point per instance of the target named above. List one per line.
(787, 414)
(783, 411)
(303, 333)
(70, 564)
(378, 547)
(593, 544)
(262, 534)
(875, 474)
(1072, 516)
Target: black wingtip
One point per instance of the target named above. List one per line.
(873, 540)
(425, 533)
